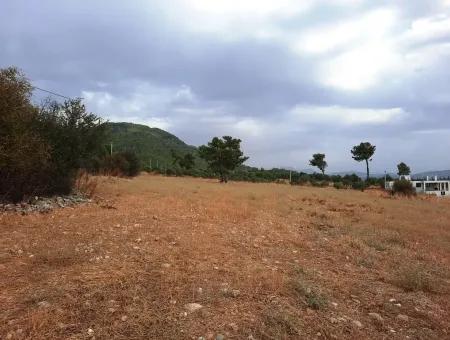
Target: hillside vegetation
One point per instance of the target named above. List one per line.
(150, 144)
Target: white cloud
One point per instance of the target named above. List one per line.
(371, 26)
(338, 115)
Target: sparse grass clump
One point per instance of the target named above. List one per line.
(311, 295)
(280, 324)
(413, 278)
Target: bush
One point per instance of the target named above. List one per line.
(403, 187)
(121, 164)
(41, 149)
(338, 185)
(359, 185)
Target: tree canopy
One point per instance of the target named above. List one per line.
(363, 152)
(318, 161)
(403, 169)
(223, 155)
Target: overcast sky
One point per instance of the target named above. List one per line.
(288, 77)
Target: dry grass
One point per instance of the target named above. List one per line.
(126, 266)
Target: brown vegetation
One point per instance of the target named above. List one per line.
(264, 260)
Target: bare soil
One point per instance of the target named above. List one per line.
(265, 261)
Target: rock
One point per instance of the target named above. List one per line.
(124, 318)
(233, 326)
(220, 337)
(376, 316)
(43, 304)
(403, 317)
(334, 320)
(90, 331)
(235, 293)
(334, 304)
(192, 307)
(165, 265)
(357, 323)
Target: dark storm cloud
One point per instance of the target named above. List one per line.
(163, 63)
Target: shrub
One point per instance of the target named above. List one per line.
(359, 185)
(403, 187)
(121, 164)
(338, 185)
(414, 278)
(85, 184)
(41, 149)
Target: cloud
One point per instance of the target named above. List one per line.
(337, 115)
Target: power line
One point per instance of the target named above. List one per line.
(51, 92)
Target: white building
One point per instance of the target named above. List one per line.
(428, 186)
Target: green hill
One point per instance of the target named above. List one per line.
(150, 144)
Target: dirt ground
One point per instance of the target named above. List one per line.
(263, 261)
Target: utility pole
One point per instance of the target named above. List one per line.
(111, 149)
(290, 176)
(385, 176)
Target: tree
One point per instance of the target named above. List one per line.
(403, 169)
(186, 162)
(41, 149)
(363, 152)
(318, 160)
(24, 154)
(223, 155)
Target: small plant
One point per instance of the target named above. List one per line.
(85, 184)
(403, 187)
(313, 297)
(413, 278)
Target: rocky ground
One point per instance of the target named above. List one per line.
(44, 204)
(180, 258)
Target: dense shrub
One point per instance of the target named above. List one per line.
(360, 185)
(403, 187)
(120, 164)
(41, 149)
(338, 185)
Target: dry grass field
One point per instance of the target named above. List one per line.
(265, 261)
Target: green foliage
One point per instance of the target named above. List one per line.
(318, 161)
(41, 148)
(363, 152)
(403, 169)
(149, 144)
(124, 163)
(338, 185)
(360, 185)
(186, 162)
(403, 187)
(223, 155)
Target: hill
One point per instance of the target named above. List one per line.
(152, 145)
(439, 174)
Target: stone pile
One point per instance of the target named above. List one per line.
(43, 204)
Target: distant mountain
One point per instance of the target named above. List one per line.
(150, 144)
(432, 173)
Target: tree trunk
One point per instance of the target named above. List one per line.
(367, 166)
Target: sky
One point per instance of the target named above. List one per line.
(288, 77)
